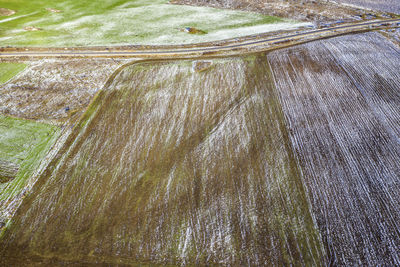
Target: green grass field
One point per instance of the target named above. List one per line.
(88, 22)
(9, 70)
(24, 143)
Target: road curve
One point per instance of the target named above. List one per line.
(252, 45)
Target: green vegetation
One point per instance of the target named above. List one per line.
(87, 22)
(9, 70)
(23, 143)
(168, 163)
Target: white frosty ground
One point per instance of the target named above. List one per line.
(157, 23)
(18, 17)
(230, 33)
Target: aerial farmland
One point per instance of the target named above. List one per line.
(193, 132)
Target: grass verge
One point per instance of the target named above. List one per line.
(24, 143)
(9, 70)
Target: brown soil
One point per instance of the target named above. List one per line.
(53, 10)
(32, 29)
(54, 90)
(192, 30)
(6, 12)
(199, 66)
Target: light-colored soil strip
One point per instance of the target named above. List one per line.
(6, 12)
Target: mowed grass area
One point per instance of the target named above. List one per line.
(88, 22)
(9, 70)
(24, 143)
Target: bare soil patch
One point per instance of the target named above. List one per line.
(192, 30)
(53, 10)
(6, 12)
(54, 90)
(32, 29)
(199, 66)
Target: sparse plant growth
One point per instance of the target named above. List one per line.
(214, 148)
(273, 142)
(306, 10)
(48, 87)
(391, 6)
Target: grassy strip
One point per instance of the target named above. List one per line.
(24, 143)
(9, 70)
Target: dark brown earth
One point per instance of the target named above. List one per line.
(53, 10)
(286, 158)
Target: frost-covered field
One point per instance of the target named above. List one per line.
(392, 6)
(82, 23)
(341, 100)
(289, 158)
